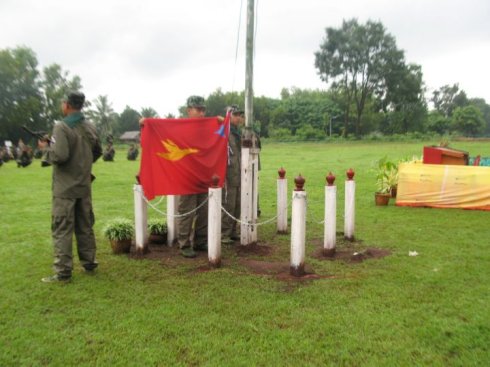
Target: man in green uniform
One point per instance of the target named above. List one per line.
(231, 191)
(109, 153)
(132, 153)
(195, 108)
(74, 147)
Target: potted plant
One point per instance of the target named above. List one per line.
(157, 230)
(120, 232)
(385, 178)
(392, 178)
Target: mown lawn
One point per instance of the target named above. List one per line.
(428, 310)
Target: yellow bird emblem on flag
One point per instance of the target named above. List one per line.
(174, 152)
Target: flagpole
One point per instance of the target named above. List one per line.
(249, 169)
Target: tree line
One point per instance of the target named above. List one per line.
(370, 89)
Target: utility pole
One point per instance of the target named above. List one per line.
(250, 151)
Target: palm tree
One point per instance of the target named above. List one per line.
(103, 115)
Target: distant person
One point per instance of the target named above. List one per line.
(109, 153)
(75, 146)
(25, 157)
(132, 153)
(231, 190)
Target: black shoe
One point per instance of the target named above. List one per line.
(90, 268)
(201, 247)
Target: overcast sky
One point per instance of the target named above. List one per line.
(155, 53)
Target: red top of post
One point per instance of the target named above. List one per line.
(330, 179)
(300, 182)
(350, 174)
(215, 181)
(282, 173)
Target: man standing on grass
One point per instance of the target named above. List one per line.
(194, 202)
(73, 148)
(231, 191)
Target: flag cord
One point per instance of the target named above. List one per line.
(236, 48)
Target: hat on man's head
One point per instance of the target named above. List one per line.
(75, 99)
(235, 110)
(196, 101)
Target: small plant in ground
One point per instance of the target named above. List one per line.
(119, 229)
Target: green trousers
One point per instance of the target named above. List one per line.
(188, 203)
(73, 216)
(231, 202)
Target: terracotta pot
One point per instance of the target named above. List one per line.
(381, 199)
(121, 246)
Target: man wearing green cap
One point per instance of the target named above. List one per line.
(72, 150)
(231, 191)
(195, 203)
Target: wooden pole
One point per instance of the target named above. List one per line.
(249, 184)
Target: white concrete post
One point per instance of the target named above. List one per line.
(282, 202)
(330, 238)
(350, 206)
(246, 199)
(140, 220)
(214, 226)
(172, 205)
(255, 193)
(298, 229)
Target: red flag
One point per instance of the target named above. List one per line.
(180, 156)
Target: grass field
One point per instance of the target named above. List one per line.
(428, 310)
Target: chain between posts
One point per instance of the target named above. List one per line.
(174, 215)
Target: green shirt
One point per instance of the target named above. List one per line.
(233, 172)
(72, 157)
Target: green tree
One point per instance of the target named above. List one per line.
(103, 116)
(436, 122)
(56, 84)
(304, 108)
(357, 59)
(403, 98)
(468, 120)
(484, 108)
(20, 96)
(128, 120)
(447, 98)
(148, 112)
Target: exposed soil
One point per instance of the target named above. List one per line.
(350, 252)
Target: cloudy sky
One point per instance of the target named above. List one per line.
(155, 53)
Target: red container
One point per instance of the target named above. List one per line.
(441, 155)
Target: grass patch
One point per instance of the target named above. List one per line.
(398, 310)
